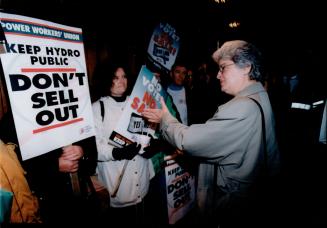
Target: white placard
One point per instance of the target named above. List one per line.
(45, 72)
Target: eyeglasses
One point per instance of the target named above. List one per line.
(222, 68)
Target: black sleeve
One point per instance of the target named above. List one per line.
(89, 162)
(43, 176)
(7, 129)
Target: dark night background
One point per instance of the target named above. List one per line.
(124, 27)
(285, 31)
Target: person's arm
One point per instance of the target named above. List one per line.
(7, 128)
(220, 136)
(215, 139)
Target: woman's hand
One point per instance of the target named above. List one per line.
(155, 115)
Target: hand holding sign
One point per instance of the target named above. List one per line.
(68, 161)
(45, 71)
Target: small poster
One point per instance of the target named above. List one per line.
(163, 47)
(180, 189)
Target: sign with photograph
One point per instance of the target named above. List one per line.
(163, 46)
(46, 77)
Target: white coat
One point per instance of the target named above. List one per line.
(135, 183)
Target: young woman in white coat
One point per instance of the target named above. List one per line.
(127, 194)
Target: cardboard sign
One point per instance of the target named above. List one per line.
(163, 46)
(146, 94)
(180, 189)
(46, 77)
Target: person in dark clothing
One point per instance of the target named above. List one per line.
(298, 98)
(49, 176)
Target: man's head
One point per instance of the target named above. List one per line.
(178, 73)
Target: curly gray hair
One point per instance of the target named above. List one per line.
(242, 54)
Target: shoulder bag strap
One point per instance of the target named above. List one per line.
(102, 109)
(265, 155)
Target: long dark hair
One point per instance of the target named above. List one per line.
(103, 78)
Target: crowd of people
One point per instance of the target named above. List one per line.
(233, 137)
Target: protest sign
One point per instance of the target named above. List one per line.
(46, 77)
(163, 47)
(180, 189)
(146, 94)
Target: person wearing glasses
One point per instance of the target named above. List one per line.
(233, 137)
